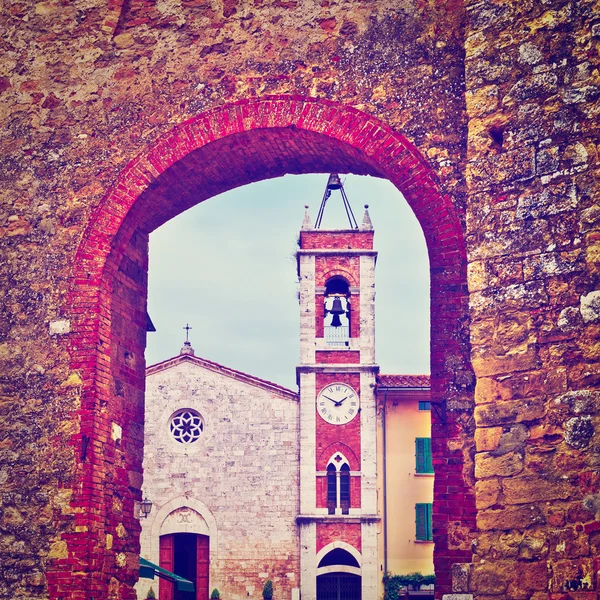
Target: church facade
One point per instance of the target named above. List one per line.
(323, 490)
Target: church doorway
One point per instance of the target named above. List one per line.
(186, 555)
(338, 586)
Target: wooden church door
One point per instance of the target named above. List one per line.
(202, 566)
(167, 561)
(173, 545)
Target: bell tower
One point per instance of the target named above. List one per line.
(336, 376)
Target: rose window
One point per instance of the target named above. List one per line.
(186, 426)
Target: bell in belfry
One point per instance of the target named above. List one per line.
(336, 310)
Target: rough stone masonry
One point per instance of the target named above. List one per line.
(117, 115)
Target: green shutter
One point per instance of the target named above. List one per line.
(423, 522)
(423, 455)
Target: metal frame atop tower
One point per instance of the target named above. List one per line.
(334, 183)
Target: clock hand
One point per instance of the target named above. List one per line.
(331, 399)
(339, 402)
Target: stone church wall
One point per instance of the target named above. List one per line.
(242, 471)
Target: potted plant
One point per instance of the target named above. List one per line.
(215, 594)
(267, 593)
(151, 595)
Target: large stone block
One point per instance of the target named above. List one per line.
(488, 465)
(511, 578)
(487, 438)
(522, 490)
(486, 363)
(509, 412)
(520, 385)
(514, 517)
(487, 492)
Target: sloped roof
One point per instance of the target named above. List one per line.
(217, 368)
(403, 381)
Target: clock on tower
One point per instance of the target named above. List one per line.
(336, 376)
(337, 403)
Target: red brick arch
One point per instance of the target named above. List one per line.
(327, 454)
(342, 274)
(223, 148)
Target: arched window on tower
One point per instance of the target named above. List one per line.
(338, 485)
(345, 488)
(336, 313)
(331, 489)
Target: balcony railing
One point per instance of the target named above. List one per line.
(337, 337)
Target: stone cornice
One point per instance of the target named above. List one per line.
(337, 251)
(304, 519)
(337, 368)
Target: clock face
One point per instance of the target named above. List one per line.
(337, 403)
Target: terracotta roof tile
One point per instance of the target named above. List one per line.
(403, 381)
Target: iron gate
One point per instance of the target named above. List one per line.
(338, 586)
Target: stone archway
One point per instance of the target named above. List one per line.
(232, 145)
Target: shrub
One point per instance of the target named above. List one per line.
(151, 594)
(394, 584)
(215, 594)
(268, 590)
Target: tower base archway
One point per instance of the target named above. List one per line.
(339, 586)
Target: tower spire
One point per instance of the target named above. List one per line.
(366, 222)
(307, 222)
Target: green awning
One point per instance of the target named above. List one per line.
(148, 570)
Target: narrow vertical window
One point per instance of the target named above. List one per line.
(331, 489)
(423, 522)
(345, 488)
(423, 455)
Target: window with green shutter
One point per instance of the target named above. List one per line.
(423, 522)
(424, 405)
(423, 454)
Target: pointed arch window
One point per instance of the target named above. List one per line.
(345, 488)
(336, 313)
(331, 488)
(338, 485)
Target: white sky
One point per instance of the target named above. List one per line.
(227, 267)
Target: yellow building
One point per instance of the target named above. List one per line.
(405, 474)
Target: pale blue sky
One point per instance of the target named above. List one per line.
(227, 267)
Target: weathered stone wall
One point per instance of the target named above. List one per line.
(503, 112)
(243, 470)
(533, 225)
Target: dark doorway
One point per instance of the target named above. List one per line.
(184, 562)
(338, 586)
(186, 555)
